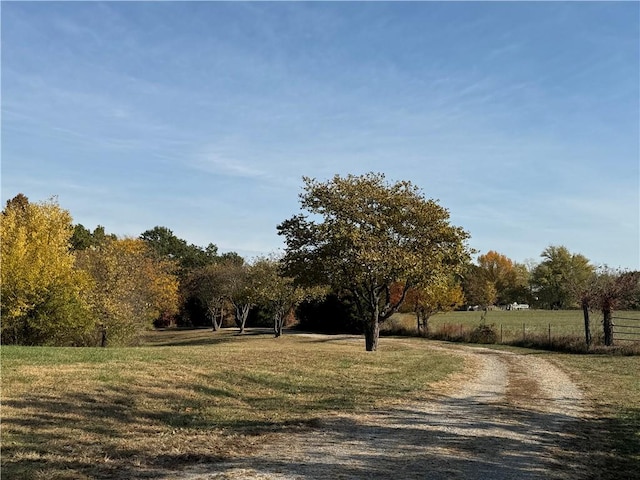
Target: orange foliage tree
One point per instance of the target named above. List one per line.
(496, 279)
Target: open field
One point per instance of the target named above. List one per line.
(188, 397)
(514, 325)
(194, 397)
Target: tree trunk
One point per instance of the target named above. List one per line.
(214, 320)
(608, 325)
(587, 329)
(103, 340)
(277, 325)
(25, 331)
(372, 333)
(242, 312)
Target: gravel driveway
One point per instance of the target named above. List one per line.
(509, 417)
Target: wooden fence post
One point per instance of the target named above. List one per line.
(587, 329)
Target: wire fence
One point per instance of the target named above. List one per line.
(507, 333)
(556, 328)
(626, 329)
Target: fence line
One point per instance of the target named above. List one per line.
(621, 331)
(506, 332)
(629, 331)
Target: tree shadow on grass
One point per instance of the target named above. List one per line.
(86, 436)
(111, 432)
(108, 435)
(612, 443)
(504, 443)
(201, 336)
(183, 337)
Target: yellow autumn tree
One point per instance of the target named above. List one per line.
(130, 289)
(443, 294)
(42, 294)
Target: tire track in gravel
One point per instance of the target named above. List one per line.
(510, 419)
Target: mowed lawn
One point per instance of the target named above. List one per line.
(194, 396)
(190, 396)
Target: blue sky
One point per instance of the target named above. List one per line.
(521, 118)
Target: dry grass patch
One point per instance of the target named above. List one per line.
(612, 436)
(190, 396)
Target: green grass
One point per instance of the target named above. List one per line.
(194, 396)
(189, 396)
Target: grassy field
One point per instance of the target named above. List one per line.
(194, 396)
(187, 397)
(514, 325)
(612, 384)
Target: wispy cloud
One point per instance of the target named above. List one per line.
(217, 164)
(517, 116)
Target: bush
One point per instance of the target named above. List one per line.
(484, 333)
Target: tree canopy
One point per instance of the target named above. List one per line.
(561, 274)
(364, 235)
(496, 279)
(166, 245)
(83, 238)
(364, 245)
(42, 300)
(427, 300)
(130, 289)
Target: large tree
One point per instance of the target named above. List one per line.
(365, 234)
(211, 286)
(130, 289)
(607, 291)
(192, 262)
(477, 289)
(496, 279)
(42, 293)
(559, 276)
(241, 287)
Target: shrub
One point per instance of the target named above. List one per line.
(484, 333)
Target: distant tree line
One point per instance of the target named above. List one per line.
(562, 280)
(364, 250)
(63, 284)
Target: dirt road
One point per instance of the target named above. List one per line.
(508, 418)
